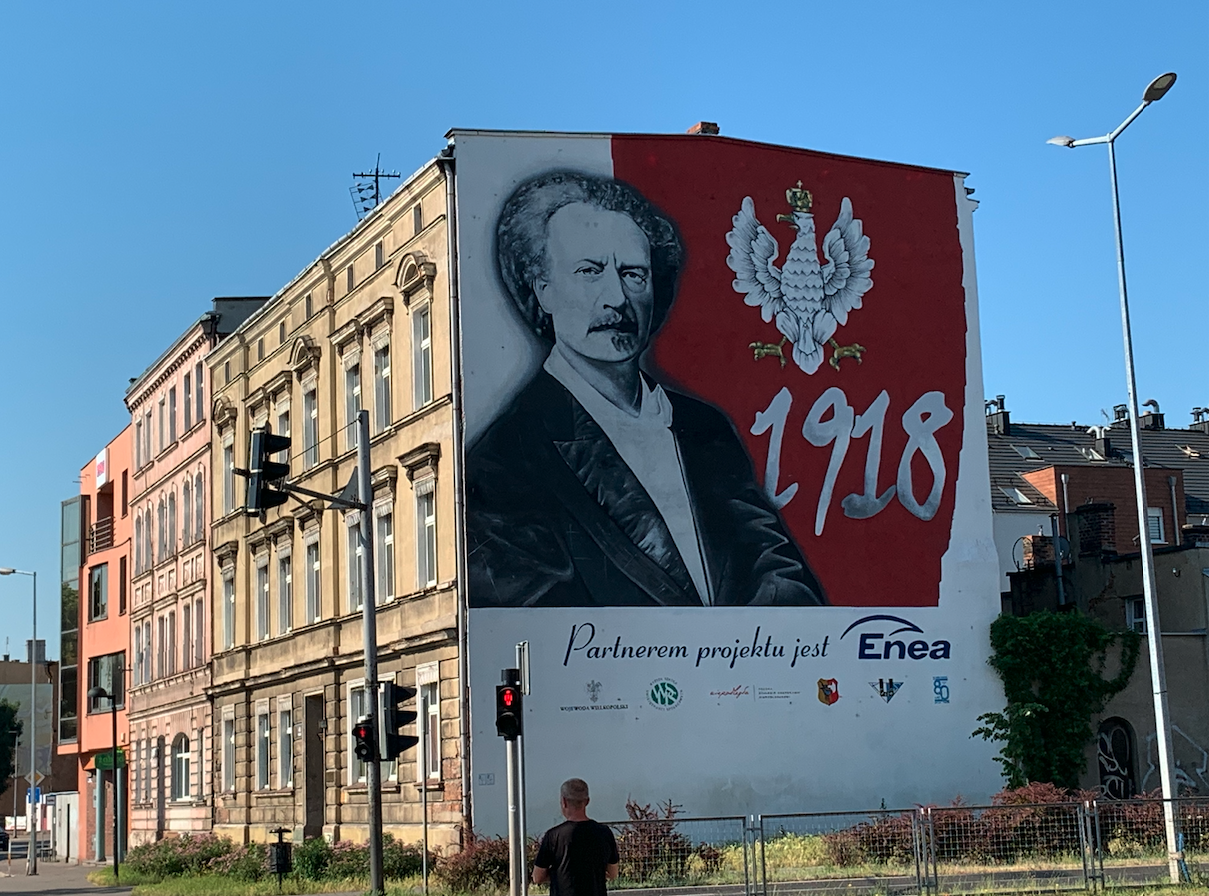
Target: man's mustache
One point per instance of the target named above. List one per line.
(622, 321)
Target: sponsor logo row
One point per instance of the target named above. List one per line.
(666, 694)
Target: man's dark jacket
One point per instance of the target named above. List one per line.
(556, 518)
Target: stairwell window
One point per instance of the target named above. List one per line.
(1154, 524)
(421, 350)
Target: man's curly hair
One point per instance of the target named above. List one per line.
(521, 231)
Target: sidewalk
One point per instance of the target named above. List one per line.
(52, 879)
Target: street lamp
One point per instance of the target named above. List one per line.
(31, 862)
(99, 693)
(1158, 675)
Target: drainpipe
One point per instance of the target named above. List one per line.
(1175, 513)
(446, 162)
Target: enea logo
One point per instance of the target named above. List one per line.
(882, 645)
(664, 694)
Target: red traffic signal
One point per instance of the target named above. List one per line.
(363, 737)
(509, 711)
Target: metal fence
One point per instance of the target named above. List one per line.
(925, 850)
(686, 852)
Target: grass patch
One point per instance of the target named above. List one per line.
(220, 885)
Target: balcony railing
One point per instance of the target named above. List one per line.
(100, 535)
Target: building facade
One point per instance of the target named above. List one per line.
(366, 325)
(170, 636)
(95, 655)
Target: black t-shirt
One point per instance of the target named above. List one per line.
(576, 853)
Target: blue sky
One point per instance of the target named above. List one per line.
(156, 155)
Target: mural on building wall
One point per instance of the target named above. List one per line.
(718, 414)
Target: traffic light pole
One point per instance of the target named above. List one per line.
(516, 840)
(369, 617)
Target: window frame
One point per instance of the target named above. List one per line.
(426, 532)
(264, 735)
(285, 747)
(182, 789)
(423, 387)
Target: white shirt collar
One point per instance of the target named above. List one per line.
(656, 408)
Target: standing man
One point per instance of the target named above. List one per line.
(579, 855)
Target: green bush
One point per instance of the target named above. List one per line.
(248, 863)
(311, 858)
(482, 863)
(401, 860)
(172, 857)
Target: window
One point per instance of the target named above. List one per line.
(382, 418)
(162, 429)
(187, 388)
(98, 592)
(352, 404)
(379, 255)
(125, 492)
(187, 637)
(285, 748)
(262, 751)
(123, 573)
(262, 600)
(426, 533)
(108, 672)
(226, 372)
(138, 654)
(228, 611)
(421, 350)
(283, 429)
(199, 634)
(348, 279)
(1135, 614)
(199, 503)
(187, 513)
(430, 699)
(358, 707)
(354, 563)
(147, 671)
(228, 753)
(147, 436)
(310, 428)
(161, 647)
(138, 543)
(170, 531)
(162, 537)
(197, 392)
(285, 594)
(309, 306)
(148, 547)
(312, 582)
(138, 444)
(228, 477)
(260, 349)
(384, 554)
(1154, 524)
(281, 333)
(172, 642)
(417, 218)
(180, 767)
(172, 415)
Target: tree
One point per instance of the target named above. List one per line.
(1052, 666)
(10, 730)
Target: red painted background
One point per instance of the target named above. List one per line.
(912, 324)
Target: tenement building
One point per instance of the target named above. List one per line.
(365, 325)
(169, 670)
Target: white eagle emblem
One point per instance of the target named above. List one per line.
(808, 300)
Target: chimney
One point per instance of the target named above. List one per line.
(1096, 525)
(1120, 413)
(1194, 536)
(999, 422)
(1038, 551)
(41, 656)
(1152, 419)
(705, 128)
(1200, 419)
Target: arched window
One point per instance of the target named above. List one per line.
(180, 768)
(186, 511)
(148, 553)
(162, 538)
(170, 530)
(138, 543)
(198, 495)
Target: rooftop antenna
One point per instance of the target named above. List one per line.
(367, 191)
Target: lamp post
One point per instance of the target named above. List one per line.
(99, 693)
(31, 863)
(1158, 675)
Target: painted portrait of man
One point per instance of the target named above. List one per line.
(596, 485)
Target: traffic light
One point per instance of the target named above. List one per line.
(509, 711)
(262, 471)
(363, 736)
(391, 717)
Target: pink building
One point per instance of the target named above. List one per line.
(169, 630)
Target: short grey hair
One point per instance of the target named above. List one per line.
(521, 231)
(574, 792)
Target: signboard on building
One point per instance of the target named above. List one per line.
(104, 761)
(726, 472)
(101, 467)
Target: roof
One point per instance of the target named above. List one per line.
(1064, 445)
